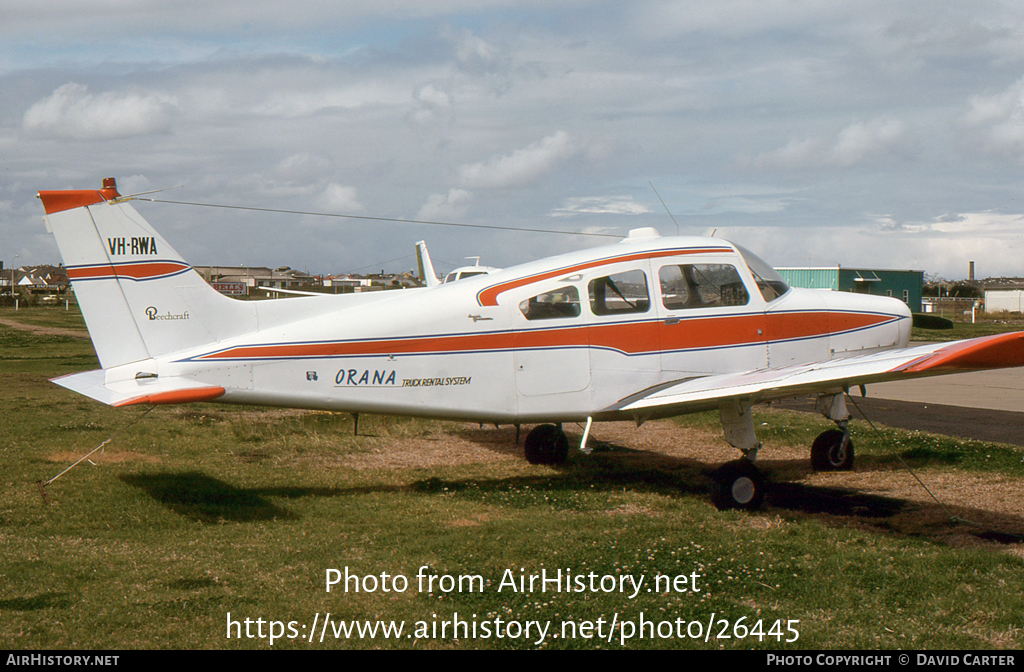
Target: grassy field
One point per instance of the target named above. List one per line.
(983, 326)
(198, 512)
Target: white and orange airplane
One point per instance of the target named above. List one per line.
(645, 328)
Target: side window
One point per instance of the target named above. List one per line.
(620, 293)
(701, 286)
(561, 302)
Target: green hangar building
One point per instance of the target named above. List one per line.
(904, 285)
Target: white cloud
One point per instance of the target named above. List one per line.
(995, 108)
(614, 205)
(989, 224)
(861, 140)
(340, 198)
(433, 103)
(306, 102)
(304, 166)
(72, 113)
(441, 207)
(478, 58)
(992, 240)
(1000, 119)
(856, 143)
(521, 166)
(667, 18)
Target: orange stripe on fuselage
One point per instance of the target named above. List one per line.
(796, 325)
(398, 346)
(639, 337)
(489, 295)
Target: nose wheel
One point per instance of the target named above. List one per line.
(832, 451)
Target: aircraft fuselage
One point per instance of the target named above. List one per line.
(556, 340)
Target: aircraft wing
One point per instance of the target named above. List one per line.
(171, 390)
(989, 352)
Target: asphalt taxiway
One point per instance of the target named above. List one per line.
(982, 405)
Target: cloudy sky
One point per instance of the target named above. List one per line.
(886, 134)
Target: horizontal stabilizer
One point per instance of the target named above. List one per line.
(172, 390)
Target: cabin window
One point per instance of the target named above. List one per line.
(561, 302)
(701, 286)
(620, 293)
(457, 275)
(769, 282)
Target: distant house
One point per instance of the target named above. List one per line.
(42, 279)
(243, 280)
(349, 282)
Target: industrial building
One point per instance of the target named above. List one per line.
(1004, 295)
(903, 285)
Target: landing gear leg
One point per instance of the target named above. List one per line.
(739, 484)
(546, 444)
(832, 450)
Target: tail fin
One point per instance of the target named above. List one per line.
(140, 299)
(426, 268)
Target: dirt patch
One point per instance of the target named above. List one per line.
(967, 509)
(631, 510)
(474, 521)
(469, 446)
(650, 444)
(976, 509)
(106, 456)
(45, 331)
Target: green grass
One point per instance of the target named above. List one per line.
(983, 326)
(48, 316)
(200, 511)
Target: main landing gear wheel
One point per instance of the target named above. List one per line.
(827, 453)
(546, 444)
(738, 485)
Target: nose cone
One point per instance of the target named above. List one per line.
(865, 322)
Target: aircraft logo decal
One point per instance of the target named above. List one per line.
(154, 314)
(357, 378)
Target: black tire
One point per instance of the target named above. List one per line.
(826, 454)
(546, 444)
(738, 485)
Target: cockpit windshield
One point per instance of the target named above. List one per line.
(770, 283)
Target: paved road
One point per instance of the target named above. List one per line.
(984, 405)
(970, 423)
(998, 390)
